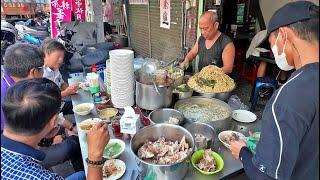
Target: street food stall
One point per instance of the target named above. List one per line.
(152, 113)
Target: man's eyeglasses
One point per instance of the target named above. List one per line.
(40, 68)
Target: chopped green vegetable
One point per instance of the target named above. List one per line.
(182, 88)
(112, 149)
(205, 82)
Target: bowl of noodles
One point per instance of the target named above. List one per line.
(86, 125)
(211, 81)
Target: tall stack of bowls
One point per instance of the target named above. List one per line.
(122, 77)
(107, 77)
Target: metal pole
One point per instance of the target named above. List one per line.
(149, 29)
(200, 10)
(127, 24)
(98, 18)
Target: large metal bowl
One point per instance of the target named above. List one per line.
(183, 95)
(162, 116)
(202, 129)
(219, 124)
(155, 171)
(221, 96)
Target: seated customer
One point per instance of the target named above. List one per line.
(252, 50)
(31, 109)
(25, 61)
(54, 58)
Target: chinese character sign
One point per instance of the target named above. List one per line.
(60, 12)
(79, 9)
(165, 14)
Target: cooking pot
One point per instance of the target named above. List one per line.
(149, 99)
(171, 132)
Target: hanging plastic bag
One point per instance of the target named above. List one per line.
(235, 103)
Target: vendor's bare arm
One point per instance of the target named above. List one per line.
(228, 55)
(191, 55)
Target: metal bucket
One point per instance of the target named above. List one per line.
(161, 172)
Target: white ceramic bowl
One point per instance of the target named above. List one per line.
(111, 142)
(243, 116)
(83, 109)
(228, 133)
(107, 113)
(88, 123)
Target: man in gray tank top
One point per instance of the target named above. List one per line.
(213, 47)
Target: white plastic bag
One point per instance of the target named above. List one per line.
(235, 103)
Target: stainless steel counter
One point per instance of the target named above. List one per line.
(231, 166)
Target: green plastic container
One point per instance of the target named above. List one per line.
(95, 89)
(196, 156)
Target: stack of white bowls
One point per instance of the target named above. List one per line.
(107, 77)
(122, 77)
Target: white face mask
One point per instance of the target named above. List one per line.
(281, 59)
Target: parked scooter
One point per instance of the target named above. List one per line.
(9, 36)
(79, 56)
(30, 35)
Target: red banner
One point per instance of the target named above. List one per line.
(79, 9)
(60, 12)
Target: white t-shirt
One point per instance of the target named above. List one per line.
(257, 39)
(53, 75)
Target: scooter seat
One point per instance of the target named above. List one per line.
(97, 57)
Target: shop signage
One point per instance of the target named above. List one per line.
(165, 14)
(60, 12)
(138, 1)
(79, 9)
(16, 8)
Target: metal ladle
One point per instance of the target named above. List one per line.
(149, 69)
(155, 85)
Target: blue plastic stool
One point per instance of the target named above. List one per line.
(261, 82)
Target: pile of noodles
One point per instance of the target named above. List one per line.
(223, 82)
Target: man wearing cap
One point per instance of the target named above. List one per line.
(289, 142)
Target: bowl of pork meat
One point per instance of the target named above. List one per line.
(162, 151)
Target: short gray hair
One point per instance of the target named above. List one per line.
(20, 58)
(214, 16)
